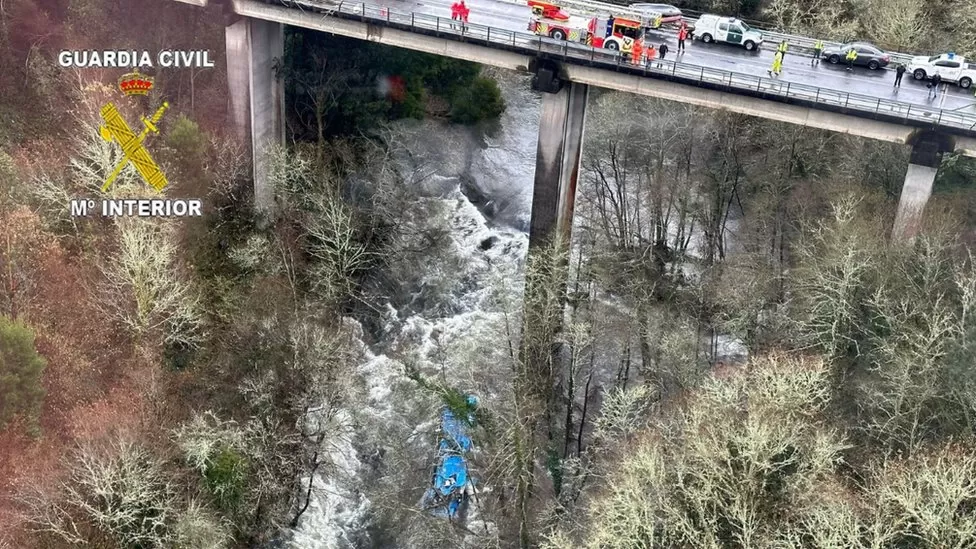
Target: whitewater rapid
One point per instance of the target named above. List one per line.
(484, 180)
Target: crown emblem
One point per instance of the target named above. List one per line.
(135, 83)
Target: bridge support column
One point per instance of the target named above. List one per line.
(256, 95)
(922, 169)
(557, 163)
(556, 171)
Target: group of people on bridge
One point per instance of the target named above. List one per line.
(460, 12)
(641, 54)
(644, 54)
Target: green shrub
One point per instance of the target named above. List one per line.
(21, 368)
(225, 478)
(189, 143)
(482, 100)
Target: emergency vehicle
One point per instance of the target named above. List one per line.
(603, 30)
(649, 18)
(615, 33)
(715, 28)
(549, 19)
(949, 66)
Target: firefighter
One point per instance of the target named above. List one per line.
(682, 36)
(650, 54)
(455, 13)
(464, 12)
(637, 51)
(851, 58)
(817, 50)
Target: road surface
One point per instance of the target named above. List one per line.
(506, 15)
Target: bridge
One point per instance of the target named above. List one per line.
(862, 103)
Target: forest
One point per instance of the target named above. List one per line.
(730, 353)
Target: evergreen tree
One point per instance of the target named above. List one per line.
(21, 368)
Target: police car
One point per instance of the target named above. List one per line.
(949, 66)
(714, 28)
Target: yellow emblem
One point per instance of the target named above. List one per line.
(132, 147)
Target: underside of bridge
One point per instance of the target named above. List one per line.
(557, 161)
(255, 46)
(927, 150)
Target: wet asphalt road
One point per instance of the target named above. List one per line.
(796, 66)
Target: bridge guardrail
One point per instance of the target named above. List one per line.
(772, 38)
(530, 43)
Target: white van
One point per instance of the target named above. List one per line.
(713, 28)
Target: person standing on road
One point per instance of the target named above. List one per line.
(636, 51)
(936, 82)
(817, 50)
(464, 12)
(781, 49)
(455, 13)
(649, 54)
(899, 72)
(851, 58)
(663, 50)
(777, 64)
(682, 36)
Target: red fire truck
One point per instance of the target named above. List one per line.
(548, 10)
(615, 32)
(601, 30)
(549, 19)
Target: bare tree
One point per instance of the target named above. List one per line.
(727, 466)
(822, 18)
(901, 23)
(119, 492)
(834, 265)
(142, 287)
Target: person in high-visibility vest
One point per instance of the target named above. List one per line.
(657, 21)
(817, 50)
(783, 46)
(851, 58)
(455, 13)
(777, 64)
(682, 36)
(636, 51)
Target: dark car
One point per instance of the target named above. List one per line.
(669, 13)
(868, 55)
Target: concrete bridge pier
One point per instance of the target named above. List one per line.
(558, 155)
(927, 150)
(554, 193)
(256, 96)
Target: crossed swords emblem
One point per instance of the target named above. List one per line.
(132, 146)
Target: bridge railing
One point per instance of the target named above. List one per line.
(771, 38)
(609, 59)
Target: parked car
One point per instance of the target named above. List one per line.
(949, 66)
(669, 13)
(715, 28)
(868, 55)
